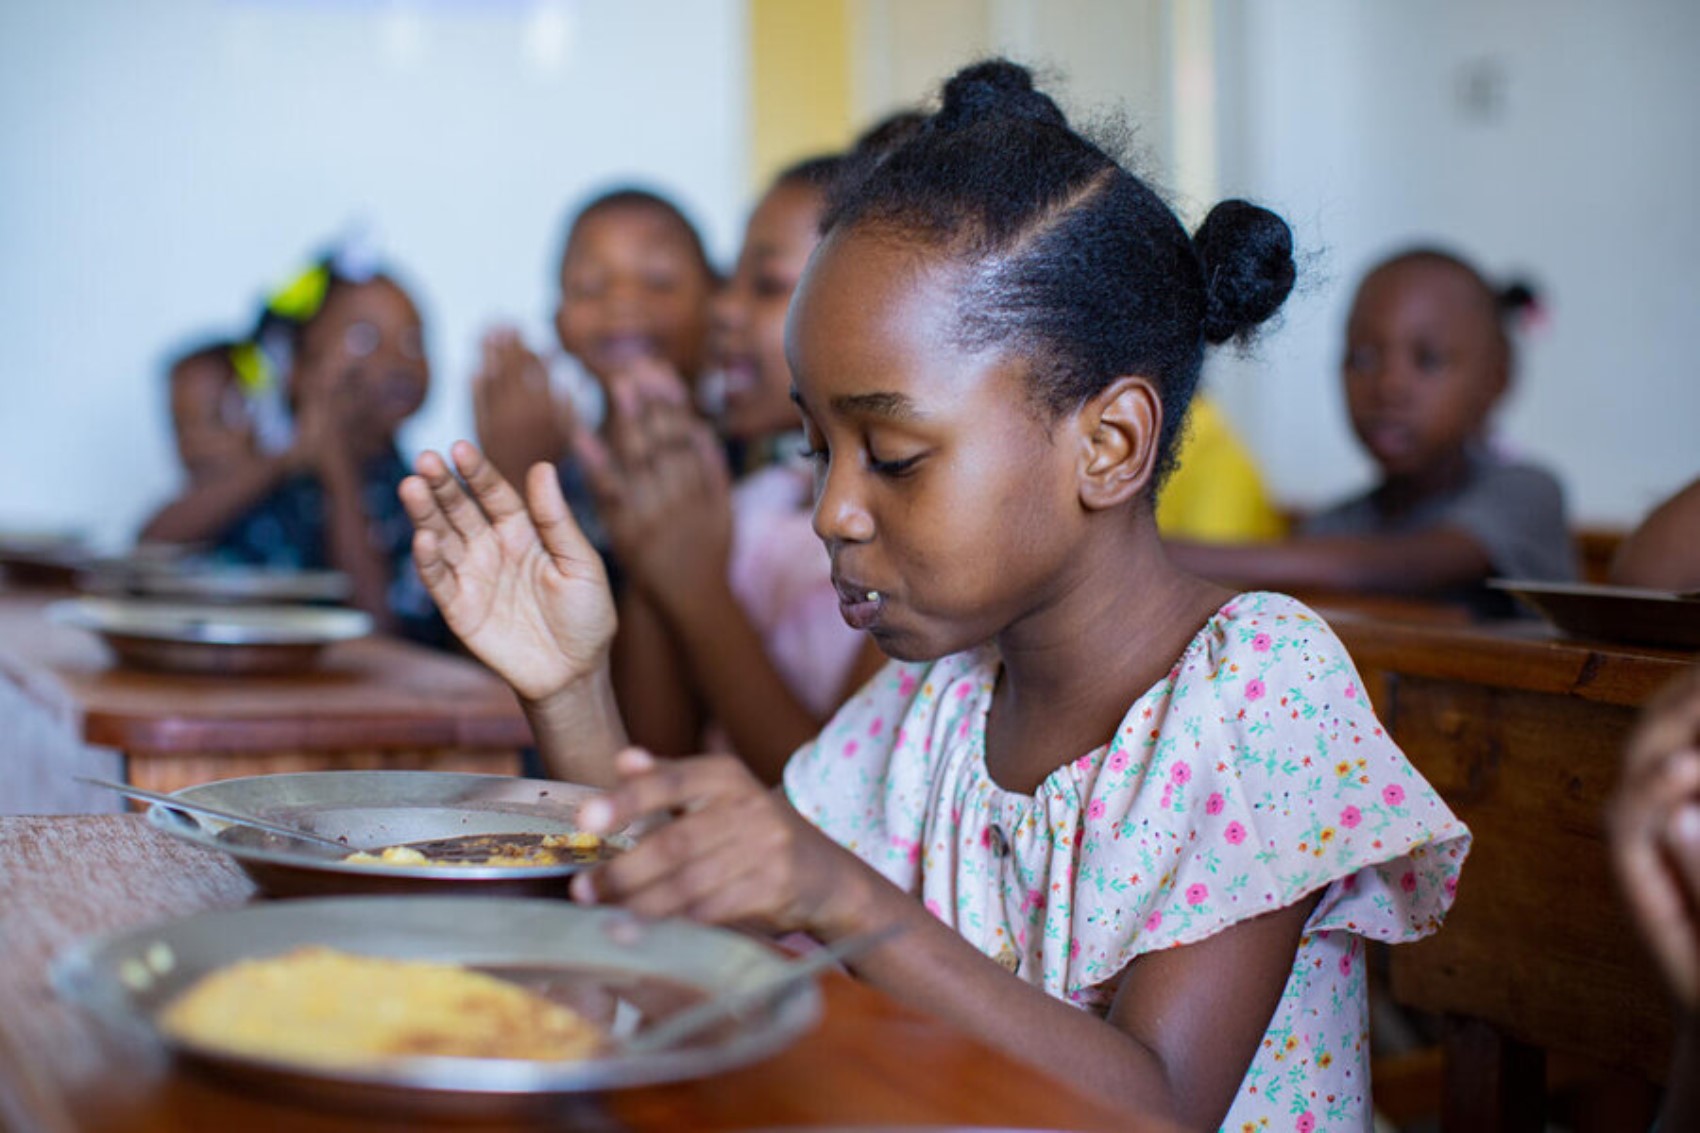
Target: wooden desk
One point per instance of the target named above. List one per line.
(66, 709)
(1522, 732)
(871, 1060)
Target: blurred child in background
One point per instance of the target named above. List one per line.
(635, 284)
(327, 500)
(1427, 358)
(731, 618)
(209, 416)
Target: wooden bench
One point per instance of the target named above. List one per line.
(1522, 733)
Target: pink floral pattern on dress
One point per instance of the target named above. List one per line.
(1208, 807)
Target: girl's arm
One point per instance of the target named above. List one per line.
(519, 421)
(1664, 552)
(207, 508)
(348, 534)
(663, 487)
(1179, 1037)
(739, 683)
(651, 680)
(1416, 563)
(525, 591)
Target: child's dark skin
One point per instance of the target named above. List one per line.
(634, 291)
(360, 373)
(1655, 841)
(687, 650)
(1425, 363)
(929, 449)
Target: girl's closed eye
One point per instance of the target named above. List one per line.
(893, 467)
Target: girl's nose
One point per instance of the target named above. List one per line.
(726, 309)
(840, 516)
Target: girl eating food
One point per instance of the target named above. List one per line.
(1137, 828)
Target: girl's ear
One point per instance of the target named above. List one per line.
(1119, 427)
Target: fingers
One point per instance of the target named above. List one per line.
(495, 497)
(558, 531)
(1682, 844)
(419, 500)
(1670, 723)
(434, 570)
(1655, 826)
(708, 862)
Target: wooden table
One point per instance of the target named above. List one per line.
(1522, 732)
(67, 709)
(870, 1061)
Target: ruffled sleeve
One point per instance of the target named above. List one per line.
(1261, 777)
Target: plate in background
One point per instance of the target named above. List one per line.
(1612, 613)
(212, 638)
(155, 576)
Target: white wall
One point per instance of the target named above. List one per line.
(1581, 170)
(165, 162)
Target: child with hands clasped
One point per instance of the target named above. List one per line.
(1136, 827)
(635, 285)
(731, 621)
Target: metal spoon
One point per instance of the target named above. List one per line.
(172, 802)
(672, 1031)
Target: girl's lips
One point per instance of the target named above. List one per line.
(858, 605)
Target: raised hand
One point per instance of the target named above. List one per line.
(663, 490)
(519, 420)
(1655, 834)
(736, 854)
(515, 579)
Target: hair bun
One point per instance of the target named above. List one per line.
(995, 88)
(1247, 255)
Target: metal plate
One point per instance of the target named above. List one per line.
(209, 637)
(244, 584)
(1613, 613)
(373, 809)
(621, 972)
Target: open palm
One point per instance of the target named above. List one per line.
(515, 579)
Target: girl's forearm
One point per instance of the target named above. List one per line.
(652, 680)
(928, 965)
(739, 684)
(206, 509)
(347, 529)
(579, 731)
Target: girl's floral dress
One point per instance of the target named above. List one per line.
(1253, 774)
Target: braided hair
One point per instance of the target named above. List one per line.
(1073, 261)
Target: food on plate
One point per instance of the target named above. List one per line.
(489, 850)
(332, 1008)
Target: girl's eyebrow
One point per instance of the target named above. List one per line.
(891, 406)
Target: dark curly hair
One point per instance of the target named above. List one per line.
(637, 197)
(1075, 262)
(1508, 305)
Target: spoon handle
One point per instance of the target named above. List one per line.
(672, 1031)
(174, 803)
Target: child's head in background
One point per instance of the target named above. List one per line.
(635, 283)
(364, 349)
(209, 416)
(1427, 358)
(748, 341)
(996, 341)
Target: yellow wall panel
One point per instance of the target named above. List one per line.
(800, 81)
